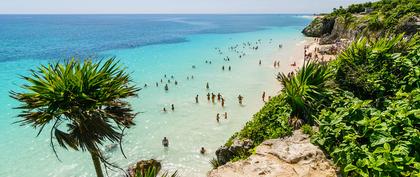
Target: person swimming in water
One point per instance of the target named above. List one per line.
(196, 99)
(176, 82)
(165, 76)
(157, 85)
(202, 150)
(240, 98)
(145, 85)
(173, 107)
(165, 142)
(169, 81)
(192, 77)
(166, 87)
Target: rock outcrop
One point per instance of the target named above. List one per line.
(287, 157)
(224, 154)
(319, 27)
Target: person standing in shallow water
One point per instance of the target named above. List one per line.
(196, 99)
(263, 96)
(166, 87)
(202, 150)
(173, 107)
(217, 117)
(208, 96)
(240, 98)
(165, 142)
(223, 102)
(207, 86)
(225, 115)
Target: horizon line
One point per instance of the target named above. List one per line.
(160, 13)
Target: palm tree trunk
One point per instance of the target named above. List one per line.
(97, 164)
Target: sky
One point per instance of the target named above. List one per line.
(169, 6)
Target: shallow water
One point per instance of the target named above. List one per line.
(188, 128)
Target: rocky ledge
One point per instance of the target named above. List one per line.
(287, 157)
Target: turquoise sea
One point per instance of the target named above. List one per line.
(150, 46)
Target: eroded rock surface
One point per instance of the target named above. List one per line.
(287, 157)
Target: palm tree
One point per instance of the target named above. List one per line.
(82, 100)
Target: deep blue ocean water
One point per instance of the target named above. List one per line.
(150, 46)
(61, 36)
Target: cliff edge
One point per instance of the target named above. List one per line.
(287, 157)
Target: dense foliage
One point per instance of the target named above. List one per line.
(376, 69)
(270, 122)
(307, 90)
(374, 19)
(382, 16)
(366, 141)
(368, 117)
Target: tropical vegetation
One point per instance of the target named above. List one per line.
(365, 103)
(82, 103)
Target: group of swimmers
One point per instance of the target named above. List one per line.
(218, 116)
(165, 143)
(276, 63)
(211, 96)
(223, 68)
(172, 108)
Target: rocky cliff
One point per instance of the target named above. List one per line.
(333, 27)
(291, 156)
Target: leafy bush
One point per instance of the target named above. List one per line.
(307, 129)
(153, 172)
(374, 69)
(368, 142)
(215, 163)
(307, 90)
(270, 122)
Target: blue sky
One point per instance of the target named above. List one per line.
(170, 6)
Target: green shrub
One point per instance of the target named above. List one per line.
(307, 90)
(365, 141)
(270, 122)
(307, 129)
(375, 69)
(215, 163)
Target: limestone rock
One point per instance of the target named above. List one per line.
(292, 156)
(224, 153)
(319, 27)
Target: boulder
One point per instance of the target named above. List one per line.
(224, 154)
(319, 27)
(292, 156)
